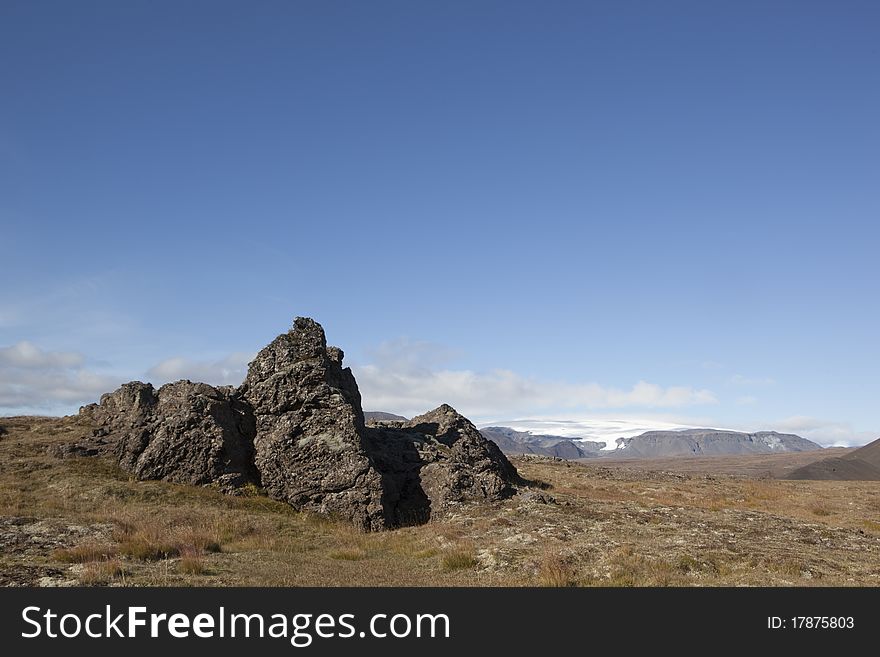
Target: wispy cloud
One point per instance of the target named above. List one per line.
(27, 355)
(33, 379)
(230, 370)
(824, 432)
(408, 383)
(413, 356)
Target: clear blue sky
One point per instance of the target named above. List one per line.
(587, 195)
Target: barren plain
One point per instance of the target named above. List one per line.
(712, 521)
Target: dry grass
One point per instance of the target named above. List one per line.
(687, 564)
(100, 573)
(555, 571)
(84, 553)
(349, 554)
(614, 526)
(457, 559)
(632, 569)
(192, 564)
(789, 567)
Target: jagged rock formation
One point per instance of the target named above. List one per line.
(296, 427)
(185, 432)
(309, 444)
(435, 461)
(861, 465)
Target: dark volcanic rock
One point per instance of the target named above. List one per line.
(472, 468)
(189, 433)
(296, 427)
(435, 461)
(129, 405)
(309, 447)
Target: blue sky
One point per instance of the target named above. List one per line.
(530, 209)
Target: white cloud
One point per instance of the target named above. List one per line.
(825, 432)
(25, 354)
(36, 380)
(230, 370)
(828, 433)
(404, 378)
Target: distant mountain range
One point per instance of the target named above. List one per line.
(709, 442)
(522, 442)
(861, 465)
(383, 416)
(651, 444)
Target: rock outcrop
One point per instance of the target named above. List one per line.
(434, 462)
(296, 428)
(185, 432)
(309, 445)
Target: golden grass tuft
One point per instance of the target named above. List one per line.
(84, 553)
(349, 554)
(99, 573)
(142, 548)
(457, 559)
(631, 569)
(192, 564)
(555, 571)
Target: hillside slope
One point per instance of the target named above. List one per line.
(861, 465)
